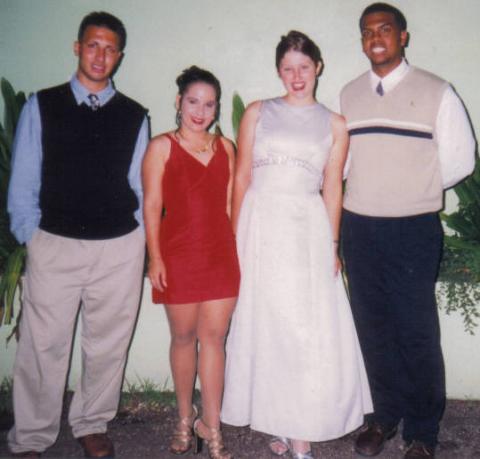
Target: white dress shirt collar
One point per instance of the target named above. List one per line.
(392, 79)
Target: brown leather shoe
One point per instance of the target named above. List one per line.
(419, 449)
(97, 445)
(31, 454)
(372, 438)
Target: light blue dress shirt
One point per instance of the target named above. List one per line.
(25, 180)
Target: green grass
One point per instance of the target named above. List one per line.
(149, 395)
(142, 394)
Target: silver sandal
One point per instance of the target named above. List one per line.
(284, 441)
(307, 455)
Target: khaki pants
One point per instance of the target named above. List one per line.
(105, 278)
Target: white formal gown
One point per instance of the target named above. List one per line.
(294, 366)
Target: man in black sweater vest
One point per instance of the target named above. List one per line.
(75, 199)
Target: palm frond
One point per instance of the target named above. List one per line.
(238, 108)
(12, 255)
(12, 111)
(11, 280)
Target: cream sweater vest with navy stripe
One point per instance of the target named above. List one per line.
(394, 169)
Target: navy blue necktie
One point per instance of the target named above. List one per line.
(379, 89)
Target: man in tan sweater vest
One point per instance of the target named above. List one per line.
(410, 138)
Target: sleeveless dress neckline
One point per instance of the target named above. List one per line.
(295, 107)
(215, 141)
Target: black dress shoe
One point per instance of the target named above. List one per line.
(419, 449)
(97, 445)
(372, 438)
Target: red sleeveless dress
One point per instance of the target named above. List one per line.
(196, 238)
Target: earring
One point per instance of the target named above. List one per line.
(178, 118)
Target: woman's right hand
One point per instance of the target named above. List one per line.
(157, 273)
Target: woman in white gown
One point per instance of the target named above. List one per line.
(294, 367)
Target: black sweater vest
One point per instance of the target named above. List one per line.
(87, 154)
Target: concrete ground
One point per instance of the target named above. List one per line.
(142, 432)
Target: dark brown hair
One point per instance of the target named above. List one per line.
(297, 41)
(195, 74)
(107, 20)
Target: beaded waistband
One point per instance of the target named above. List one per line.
(286, 160)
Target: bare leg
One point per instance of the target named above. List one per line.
(213, 321)
(183, 320)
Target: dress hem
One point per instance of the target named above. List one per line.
(196, 299)
(321, 438)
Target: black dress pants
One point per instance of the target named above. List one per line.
(392, 265)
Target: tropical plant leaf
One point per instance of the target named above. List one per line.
(460, 268)
(468, 189)
(4, 173)
(4, 148)
(4, 156)
(11, 111)
(473, 190)
(460, 224)
(460, 243)
(464, 195)
(238, 108)
(10, 282)
(20, 98)
(12, 255)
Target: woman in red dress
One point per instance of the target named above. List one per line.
(193, 266)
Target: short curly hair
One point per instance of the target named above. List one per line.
(107, 20)
(379, 7)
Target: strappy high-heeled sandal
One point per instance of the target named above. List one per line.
(216, 448)
(284, 441)
(182, 437)
(300, 454)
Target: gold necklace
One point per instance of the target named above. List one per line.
(181, 138)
